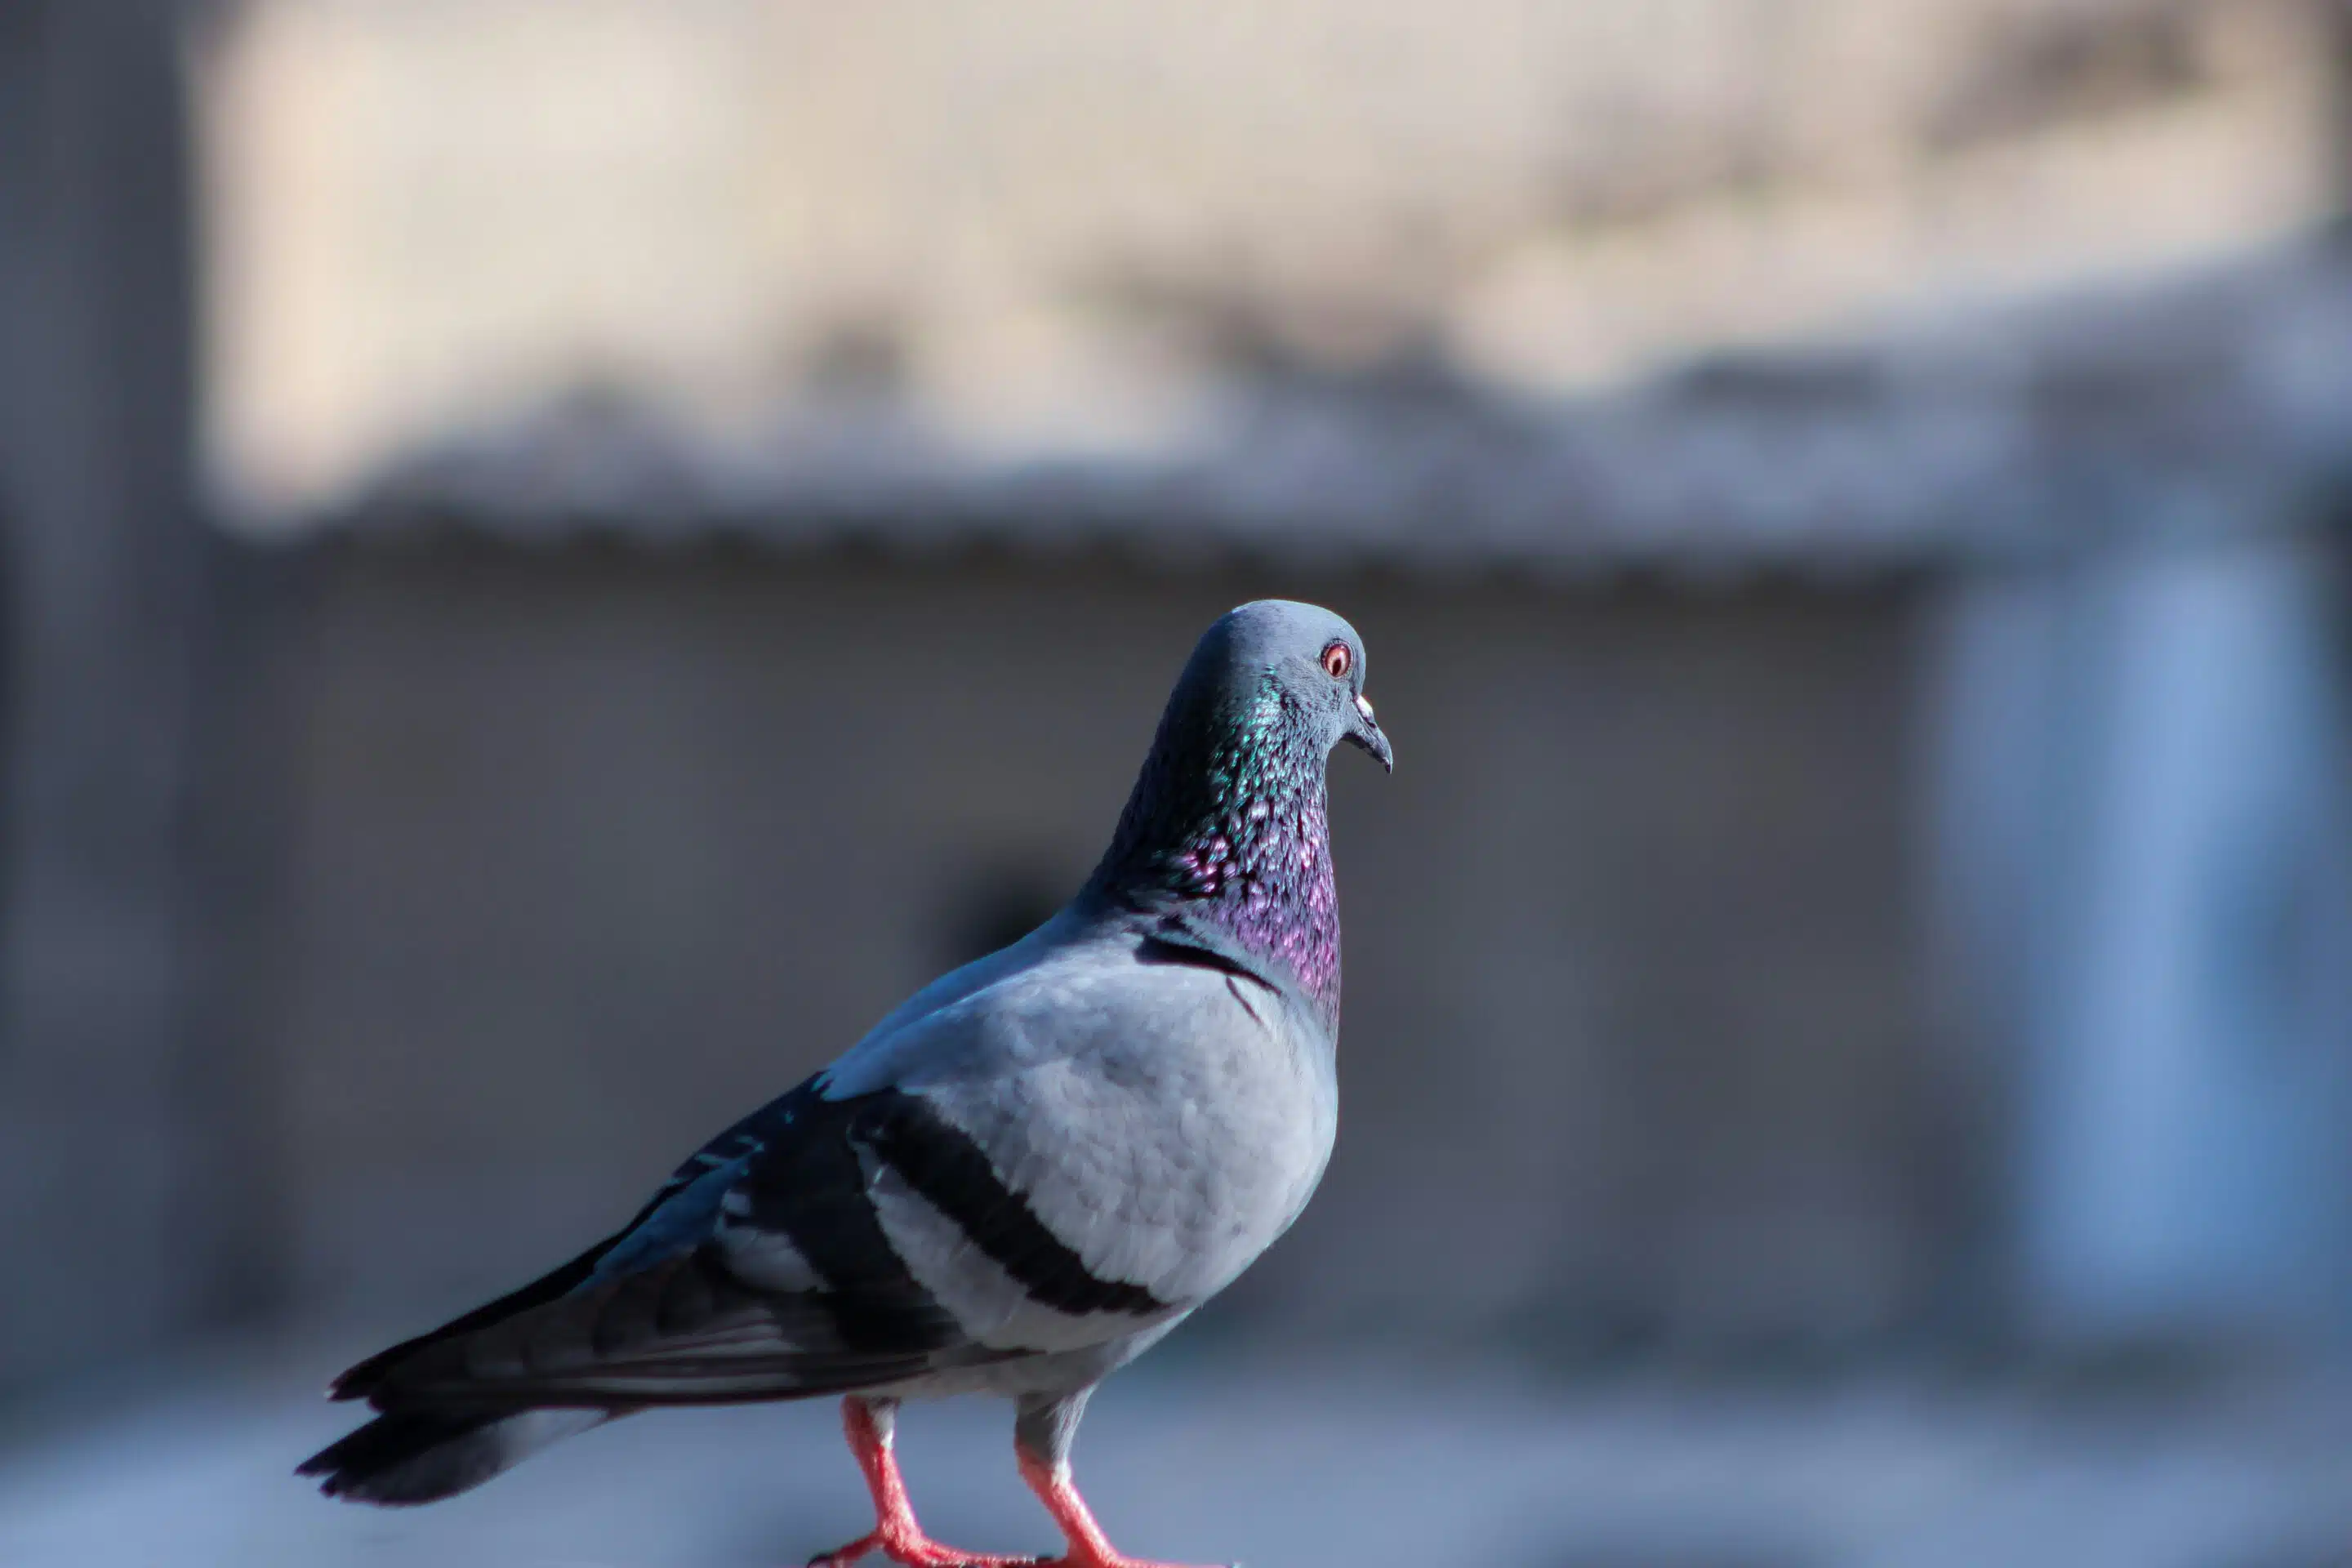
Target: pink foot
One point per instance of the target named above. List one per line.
(1088, 1546)
(896, 1535)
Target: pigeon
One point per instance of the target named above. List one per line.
(1020, 1180)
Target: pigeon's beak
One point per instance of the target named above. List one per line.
(1366, 732)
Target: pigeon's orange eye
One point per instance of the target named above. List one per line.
(1338, 660)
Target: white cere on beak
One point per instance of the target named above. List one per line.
(1365, 708)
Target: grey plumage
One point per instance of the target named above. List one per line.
(1023, 1176)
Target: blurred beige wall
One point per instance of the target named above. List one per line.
(426, 211)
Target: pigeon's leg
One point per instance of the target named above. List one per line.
(870, 1424)
(1041, 1436)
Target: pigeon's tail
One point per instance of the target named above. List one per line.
(419, 1457)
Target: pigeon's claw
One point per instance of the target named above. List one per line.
(1089, 1548)
(914, 1550)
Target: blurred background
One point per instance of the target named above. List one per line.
(557, 558)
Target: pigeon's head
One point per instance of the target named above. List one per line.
(1308, 661)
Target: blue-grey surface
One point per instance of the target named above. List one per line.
(1338, 1464)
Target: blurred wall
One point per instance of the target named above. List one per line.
(117, 1125)
(526, 870)
(2142, 796)
(596, 847)
(1017, 217)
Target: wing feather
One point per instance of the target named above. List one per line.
(659, 1312)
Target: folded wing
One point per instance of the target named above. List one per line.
(818, 1245)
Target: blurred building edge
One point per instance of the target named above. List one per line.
(1921, 895)
(124, 1125)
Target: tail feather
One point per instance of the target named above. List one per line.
(414, 1457)
(362, 1380)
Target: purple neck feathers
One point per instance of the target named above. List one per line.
(1227, 829)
